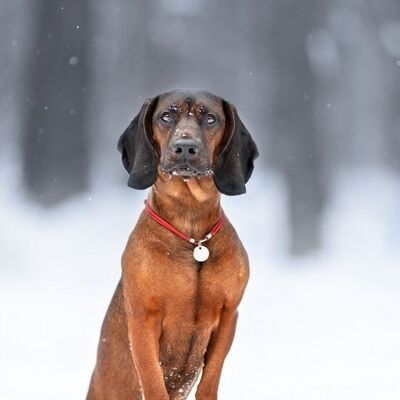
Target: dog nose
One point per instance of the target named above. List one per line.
(185, 148)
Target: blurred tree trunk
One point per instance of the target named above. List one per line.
(387, 25)
(54, 143)
(296, 136)
(8, 79)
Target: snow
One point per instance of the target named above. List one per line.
(322, 327)
(73, 60)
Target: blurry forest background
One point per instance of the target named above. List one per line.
(316, 82)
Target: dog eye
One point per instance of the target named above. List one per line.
(166, 117)
(211, 119)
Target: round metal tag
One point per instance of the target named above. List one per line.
(201, 253)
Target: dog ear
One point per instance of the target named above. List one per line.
(234, 164)
(139, 156)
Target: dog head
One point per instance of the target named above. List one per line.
(187, 134)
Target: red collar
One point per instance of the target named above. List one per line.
(175, 231)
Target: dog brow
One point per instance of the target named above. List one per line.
(173, 107)
(203, 109)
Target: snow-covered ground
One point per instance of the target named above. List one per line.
(324, 327)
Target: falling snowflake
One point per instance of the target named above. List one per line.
(73, 60)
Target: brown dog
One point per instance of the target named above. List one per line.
(173, 317)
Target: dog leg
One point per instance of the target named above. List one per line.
(218, 348)
(144, 348)
(144, 330)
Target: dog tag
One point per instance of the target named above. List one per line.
(200, 253)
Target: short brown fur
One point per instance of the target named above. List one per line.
(172, 318)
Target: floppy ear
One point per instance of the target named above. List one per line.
(234, 164)
(139, 157)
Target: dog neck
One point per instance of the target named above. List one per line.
(191, 206)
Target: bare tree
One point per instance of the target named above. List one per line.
(296, 136)
(387, 27)
(54, 143)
